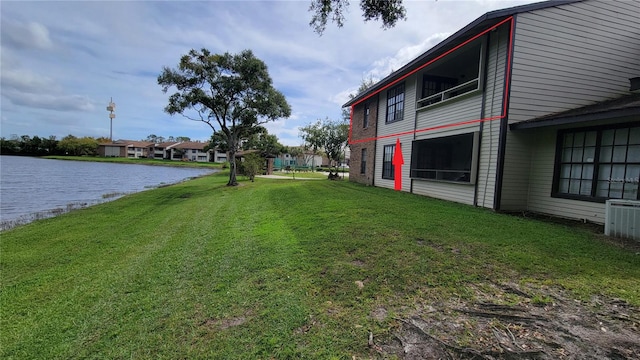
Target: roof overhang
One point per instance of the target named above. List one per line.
(620, 108)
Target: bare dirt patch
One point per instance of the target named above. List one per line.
(507, 321)
(222, 324)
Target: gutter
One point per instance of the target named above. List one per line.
(482, 113)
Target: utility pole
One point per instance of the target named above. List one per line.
(110, 109)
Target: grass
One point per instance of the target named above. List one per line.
(269, 269)
(138, 161)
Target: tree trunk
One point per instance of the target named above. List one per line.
(232, 163)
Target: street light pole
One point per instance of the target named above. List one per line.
(110, 109)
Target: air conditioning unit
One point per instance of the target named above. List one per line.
(622, 219)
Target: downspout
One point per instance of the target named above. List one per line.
(375, 142)
(504, 121)
(415, 127)
(482, 112)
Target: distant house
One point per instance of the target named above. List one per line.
(524, 109)
(188, 151)
(112, 149)
(305, 160)
(160, 150)
(125, 148)
(171, 150)
(139, 149)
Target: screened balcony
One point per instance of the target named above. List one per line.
(451, 77)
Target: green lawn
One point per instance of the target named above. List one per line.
(269, 270)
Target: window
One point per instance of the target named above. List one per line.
(363, 161)
(447, 158)
(598, 163)
(395, 103)
(365, 122)
(387, 162)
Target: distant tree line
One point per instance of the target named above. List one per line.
(41, 146)
(68, 145)
(160, 139)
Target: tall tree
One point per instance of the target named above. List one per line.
(264, 142)
(72, 145)
(231, 93)
(336, 134)
(313, 137)
(328, 135)
(152, 138)
(389, 11)
(364, 85)
(50, 145)
(218, 142)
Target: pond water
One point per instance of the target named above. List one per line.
(33, 188)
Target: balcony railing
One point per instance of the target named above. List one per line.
(449, 94)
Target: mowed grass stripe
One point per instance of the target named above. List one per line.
(269, 269)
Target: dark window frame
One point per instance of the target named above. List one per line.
(363, 161)
(367, 111)
(388, 169)
(599, 166)
(395, 104)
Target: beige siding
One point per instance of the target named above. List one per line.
(462, 193)
(515, 181)
(540, 200)
(573, 55)
(449, 113)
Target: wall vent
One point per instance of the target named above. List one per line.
(622, 219)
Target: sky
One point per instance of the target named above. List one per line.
(62, 62)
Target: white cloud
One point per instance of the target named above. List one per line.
(51, 101)
(385, 66)
(21, 80)
(27, 88)
(27, 35)
(343, 96)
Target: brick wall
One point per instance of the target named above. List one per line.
(360, 132)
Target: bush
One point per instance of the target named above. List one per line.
(251, 165)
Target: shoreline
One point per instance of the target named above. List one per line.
(136, 161)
